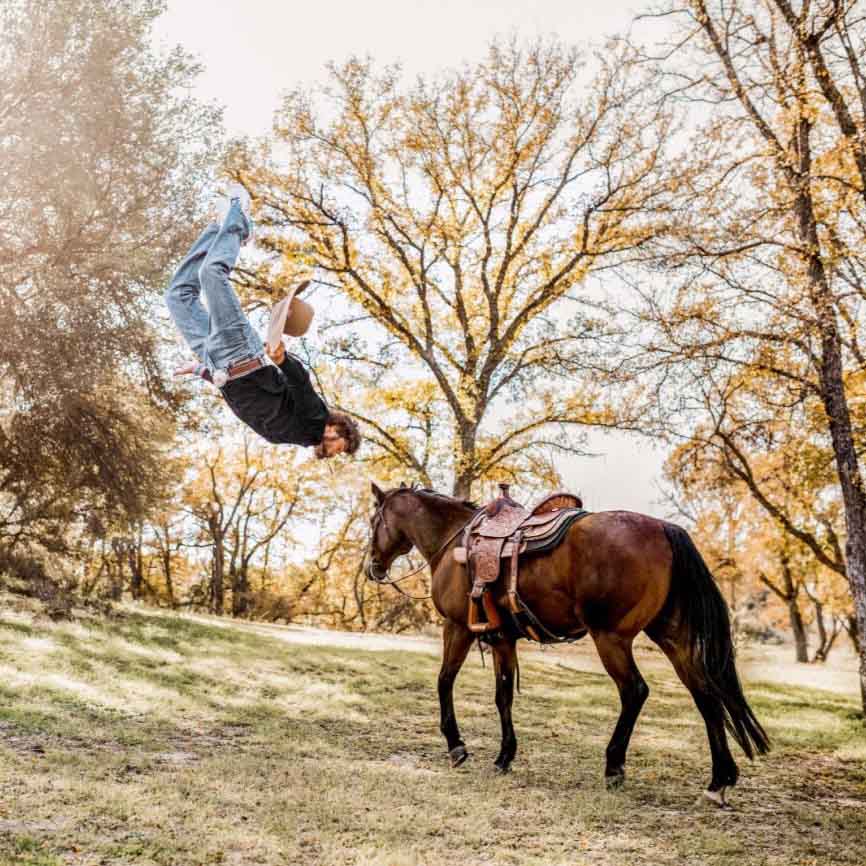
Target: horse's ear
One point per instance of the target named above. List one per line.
(380, 496)
(403, 485)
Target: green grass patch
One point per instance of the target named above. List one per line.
(156, 739)
(31, 852)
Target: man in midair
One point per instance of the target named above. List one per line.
(277, 399)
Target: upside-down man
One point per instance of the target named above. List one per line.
(276, 400)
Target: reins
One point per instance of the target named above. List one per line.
(395, 581)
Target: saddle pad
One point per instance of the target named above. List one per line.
(549, 540)
(542, 525)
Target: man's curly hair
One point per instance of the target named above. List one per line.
(347, 428)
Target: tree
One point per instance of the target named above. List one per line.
(763, 498)
(461, 219)
(102, 157)
(772, 222)
(168, 542)
(241, 499)
(265, 516)
(332, 582)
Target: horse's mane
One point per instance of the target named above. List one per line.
(426, 490)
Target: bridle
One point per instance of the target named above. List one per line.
(379, 517)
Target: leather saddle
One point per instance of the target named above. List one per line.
(503, 530)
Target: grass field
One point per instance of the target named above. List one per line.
(155, 739)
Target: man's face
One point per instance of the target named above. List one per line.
(332, 443)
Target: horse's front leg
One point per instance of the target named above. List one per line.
(457, 639)
(504, 665)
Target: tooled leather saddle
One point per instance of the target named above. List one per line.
(505, 530)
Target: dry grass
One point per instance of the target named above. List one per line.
(161, 740)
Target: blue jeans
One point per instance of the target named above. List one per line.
(221, 335)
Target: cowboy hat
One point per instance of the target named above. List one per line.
(290, 316)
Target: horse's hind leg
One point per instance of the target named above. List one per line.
(616, 656)
(504, 665)
(725, 770)
(457, 640)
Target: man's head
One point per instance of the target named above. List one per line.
(341, 436)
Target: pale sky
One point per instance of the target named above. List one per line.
(255, 50)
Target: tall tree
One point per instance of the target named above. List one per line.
(774, 216)
(463, 217)
(102, 156)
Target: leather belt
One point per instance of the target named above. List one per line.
(245, 367)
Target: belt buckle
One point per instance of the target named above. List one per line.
(248, 365)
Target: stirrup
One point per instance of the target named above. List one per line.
(483, 606)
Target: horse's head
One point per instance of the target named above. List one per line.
(387, 538)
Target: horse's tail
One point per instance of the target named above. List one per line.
(705, 616)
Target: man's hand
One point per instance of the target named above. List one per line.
(278, 354)
(187, 369)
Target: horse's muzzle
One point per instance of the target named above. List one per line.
(375, 572)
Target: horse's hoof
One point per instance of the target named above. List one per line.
(717, 798)
(501, 769)
(614, 781)
(458, 755)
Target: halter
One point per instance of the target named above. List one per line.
(378, 517)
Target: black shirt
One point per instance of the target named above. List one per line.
(279, 403)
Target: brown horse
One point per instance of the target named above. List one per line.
(615, 574)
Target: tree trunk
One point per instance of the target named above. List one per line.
(789, 593)
(850, 478)
(834, 398)
(166, 568)
(116, 571)
(801, 647)
(465, 468)
(792, 591)
(218, 570)
(240, 590)
(851, 628)
(136, 566)
(821, 652)
(358, 584)
(116, 593)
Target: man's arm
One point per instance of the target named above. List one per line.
(277, 355)
(304, 419)
(194, 368)
(292, 369)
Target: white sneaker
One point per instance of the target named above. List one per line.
(236, 191)
(223, 203)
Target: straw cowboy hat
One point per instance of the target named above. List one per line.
(290, 316)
